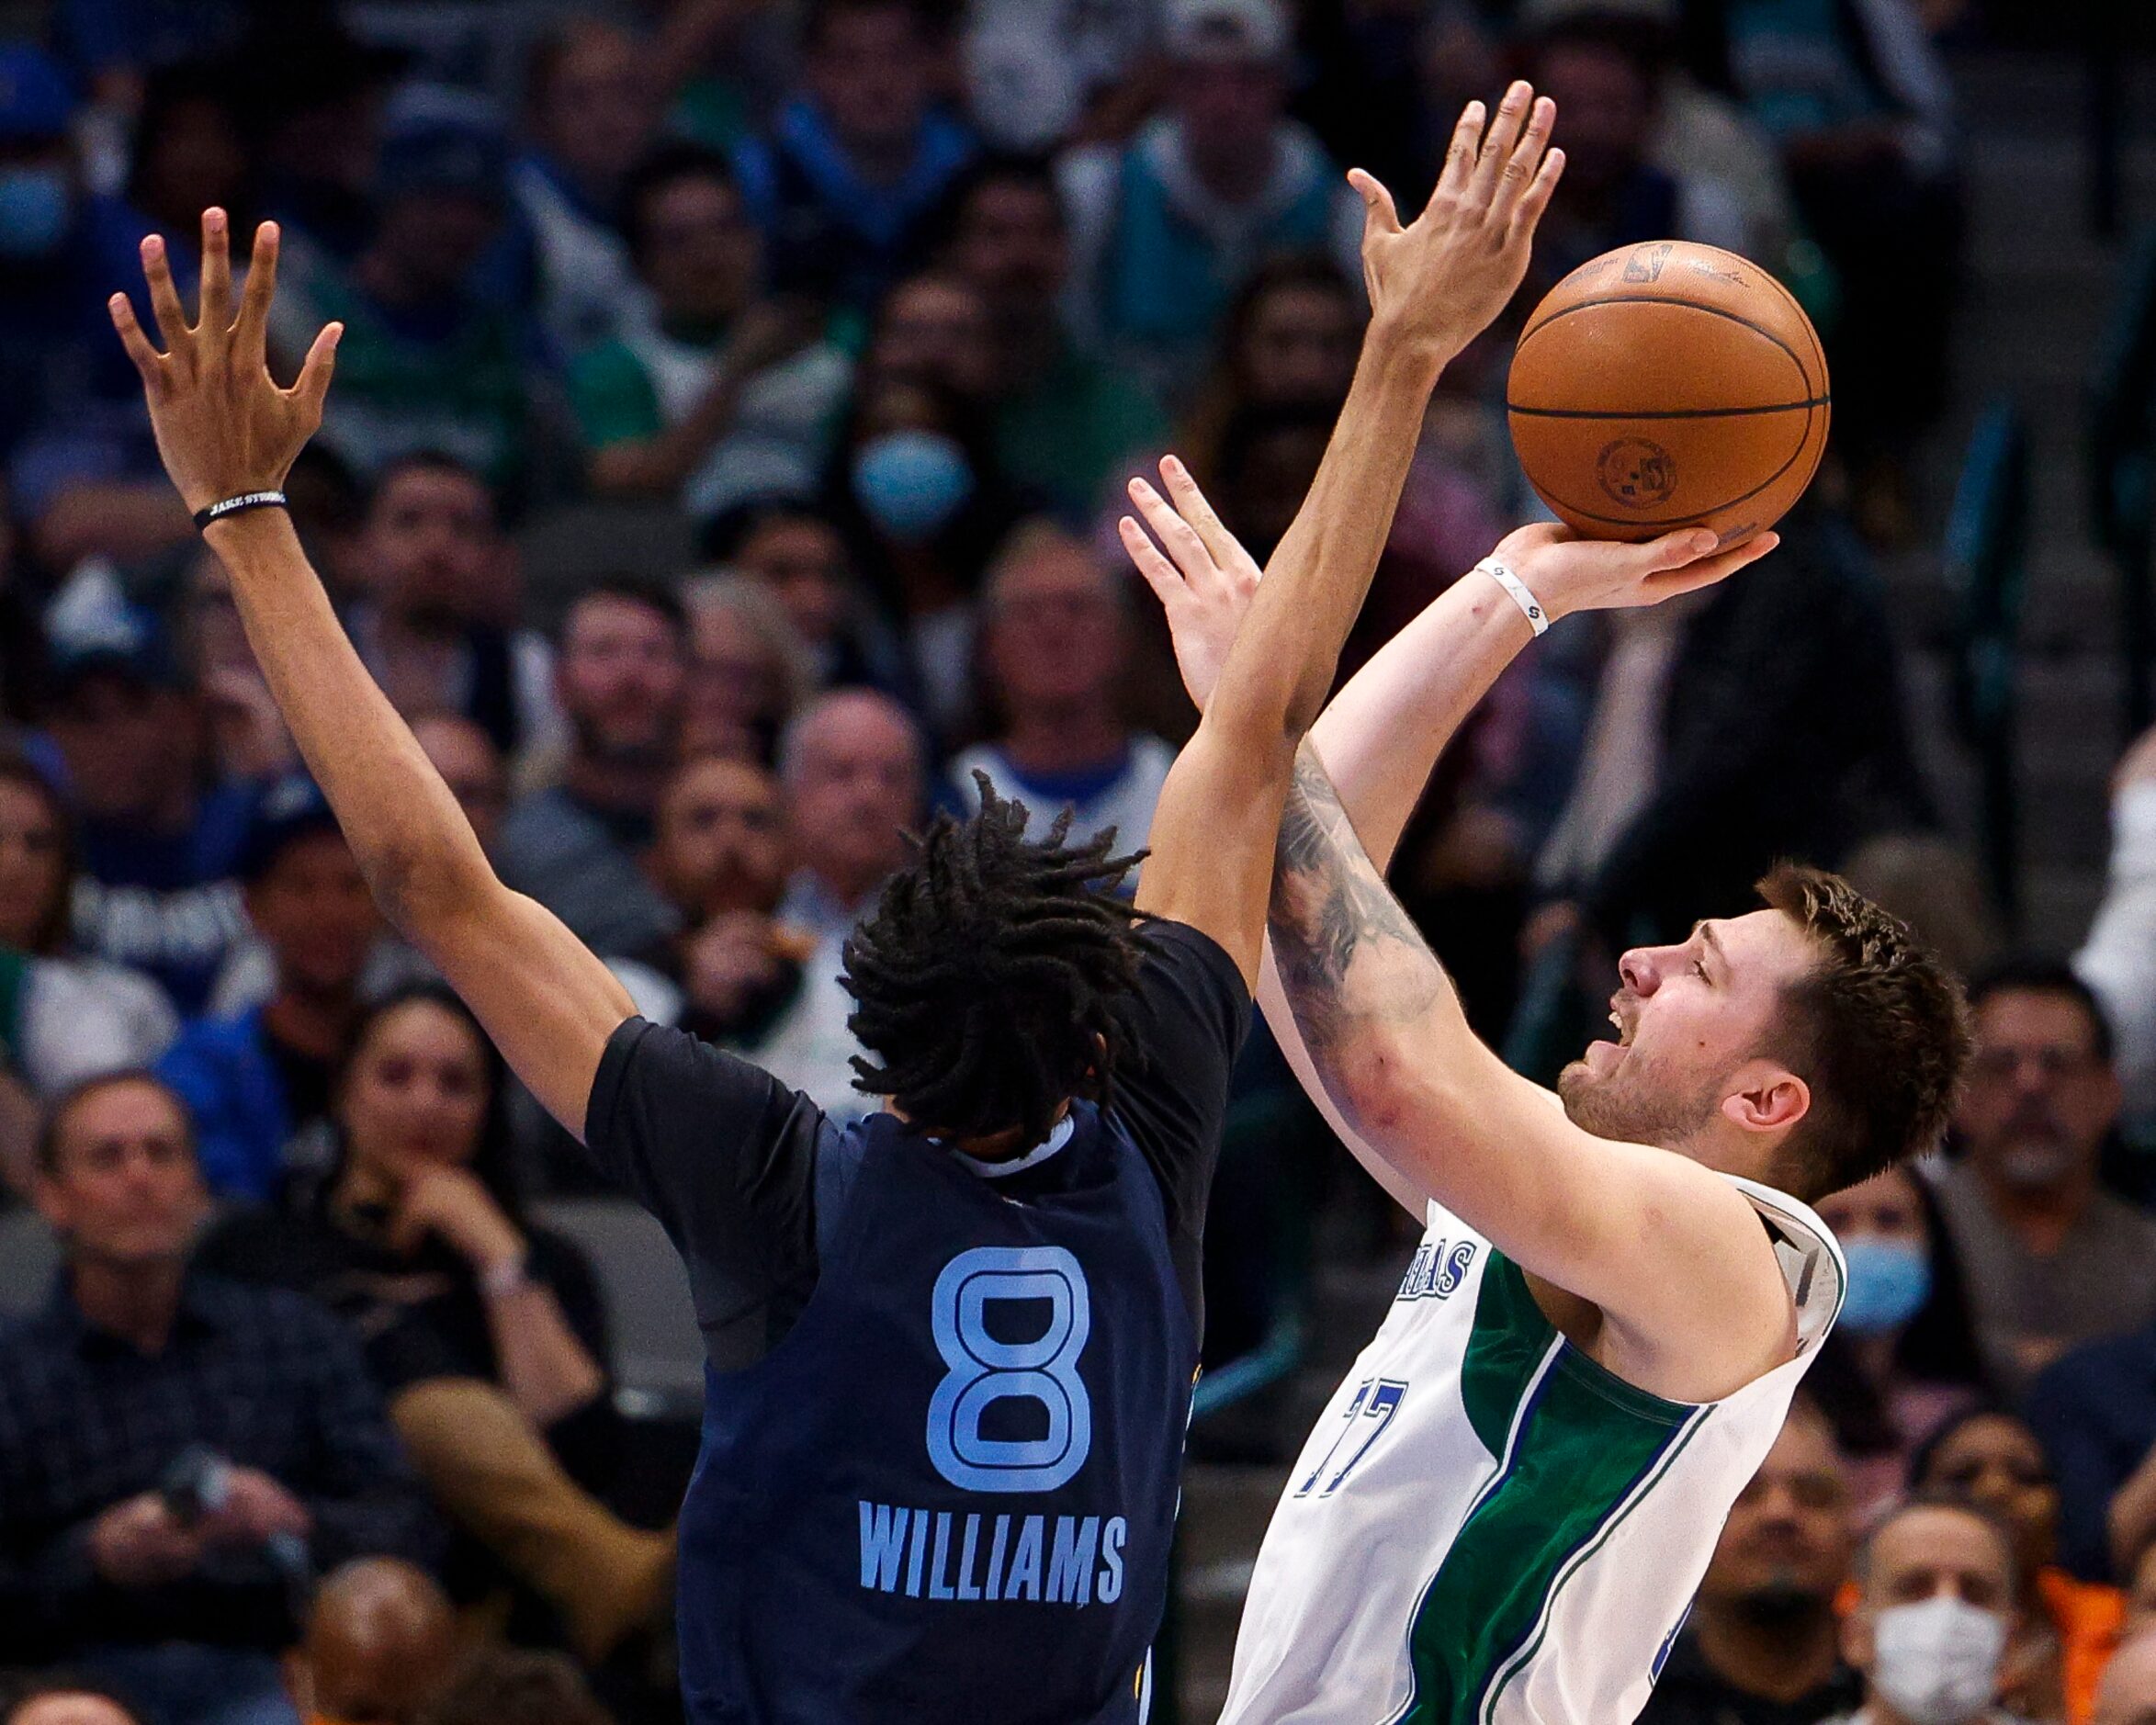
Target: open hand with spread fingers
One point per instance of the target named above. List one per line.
(1206, 581)
(1442, 279)
(224, 425)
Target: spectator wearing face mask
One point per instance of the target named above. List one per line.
(62, 254)
(380, 1640)
(2065, 1628)
(1934, 1606)
(2053, 1259)
(1903, 1360)
(915, 486)
(1762, 1646)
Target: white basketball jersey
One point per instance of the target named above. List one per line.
(1487, 1526)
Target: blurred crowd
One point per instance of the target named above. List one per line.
(721, 471)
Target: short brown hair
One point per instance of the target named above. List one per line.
(1878, 1029)
(61, 1108)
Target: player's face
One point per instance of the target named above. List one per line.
(1788, 1535)
(1690, 1018)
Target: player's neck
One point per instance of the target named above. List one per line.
(1781, 1657)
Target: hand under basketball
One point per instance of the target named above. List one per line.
(1440, 281)
(223, 425)
(1568, 573)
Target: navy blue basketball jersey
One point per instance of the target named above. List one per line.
(949, 1491)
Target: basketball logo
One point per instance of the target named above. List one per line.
(1636, 473)
(1645, 264)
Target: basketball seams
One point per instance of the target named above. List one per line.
(1669, 522)
(1638, 356)
(1795, 358)
(1813, 405)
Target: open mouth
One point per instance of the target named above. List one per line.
(1624, 1025)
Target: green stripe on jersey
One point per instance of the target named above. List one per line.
(1588, 1440)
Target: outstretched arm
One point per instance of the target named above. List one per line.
(1692, 1306)
(1381, 735)
(1433, 286)
(224, 429)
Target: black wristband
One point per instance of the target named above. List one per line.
(240, 504)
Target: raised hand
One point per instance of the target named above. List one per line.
(1567, 573)
(1443, 279)
(224, 427)
(1208, 586)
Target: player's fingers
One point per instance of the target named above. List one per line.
(1379, 214)
(1182, 541)
(1222, 547)
(1536, 199)
(165, 299)
(148, 360)
(1159, 574)
(1513, 108)
(1673, 550)
(251, 334)
(1707, 572)
(313, 382)
(1459, 154)
(216, 303)
(1526, 159)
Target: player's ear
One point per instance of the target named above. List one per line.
(1764, 1096)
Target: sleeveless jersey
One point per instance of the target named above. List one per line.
(1489, 1527)
(953, 1484)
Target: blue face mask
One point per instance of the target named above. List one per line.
(1889, 1282)
(37, 208)
(911, 483)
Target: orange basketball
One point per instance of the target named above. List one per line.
(1668, 386)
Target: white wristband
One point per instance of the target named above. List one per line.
(1530, 606)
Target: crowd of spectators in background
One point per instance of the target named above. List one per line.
(728, 431)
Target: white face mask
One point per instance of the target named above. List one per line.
(1938, 1663)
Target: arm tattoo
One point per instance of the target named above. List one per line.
(1331, 909)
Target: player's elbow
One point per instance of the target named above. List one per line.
(1383, 1093)
(423, 888)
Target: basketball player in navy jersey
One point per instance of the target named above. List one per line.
(951, 1350)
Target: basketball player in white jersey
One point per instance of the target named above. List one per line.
(1504, 1512)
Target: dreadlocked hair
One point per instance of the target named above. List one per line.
(995, 979)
